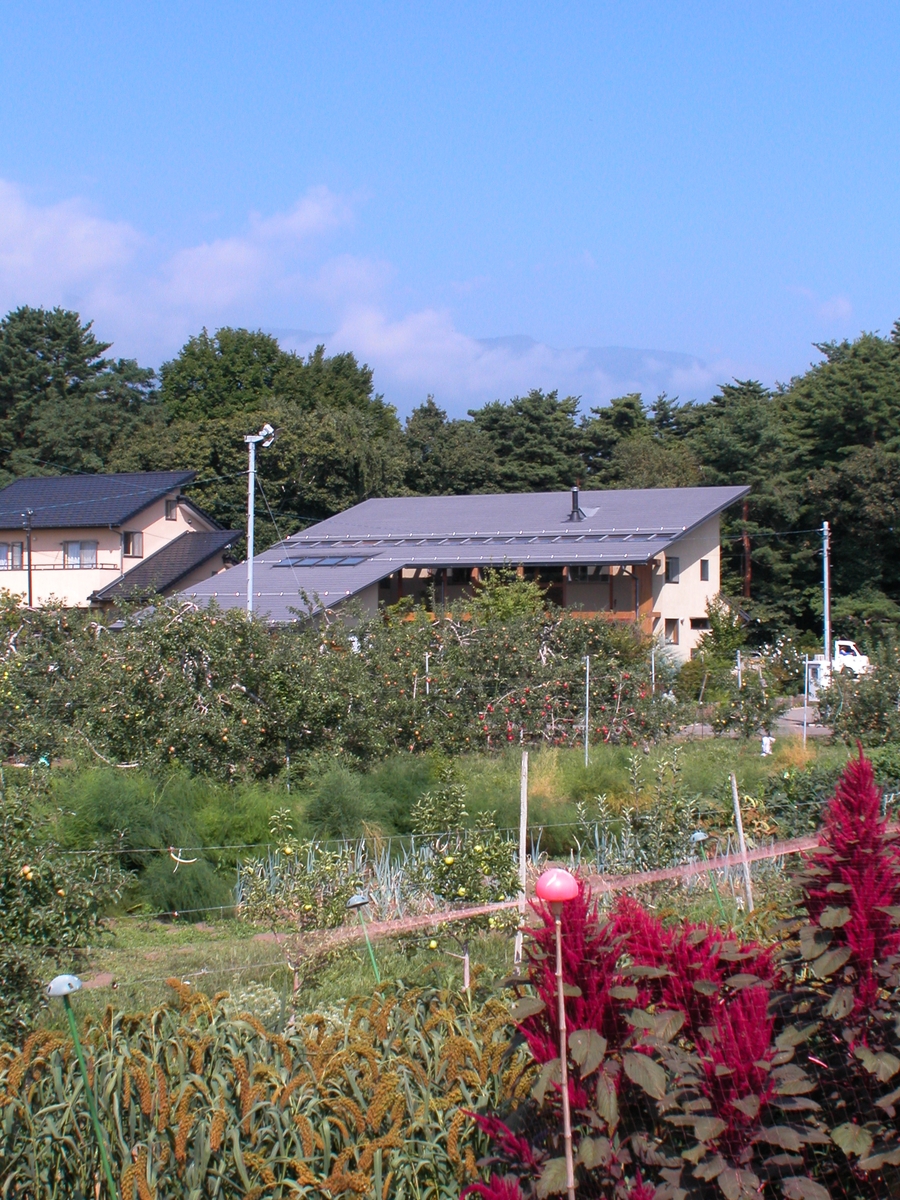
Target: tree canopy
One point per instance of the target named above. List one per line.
(825, 446)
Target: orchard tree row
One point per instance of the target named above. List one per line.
(214, 693)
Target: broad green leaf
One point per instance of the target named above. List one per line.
(798, 1187)
(883, 1066)
(829, 962)
(587, 1048)
(550, 1073)
(710, 1168)
(876, 1161)
(781, 1135)
(705, 987)
(794, 1035)
(708, 1128)
(528, 1006)
(738, 1185)
(594, 1152)
(745, 979)
(623, 993)
(852, 1139)
(813, 941)
(749, 1106)
(552, 1181)
(840, 1004)
(607, 1101)
(834, 918)
(647, 1074)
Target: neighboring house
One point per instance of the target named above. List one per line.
(89, 539)
(649, 556)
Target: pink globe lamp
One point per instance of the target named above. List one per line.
(556, 887)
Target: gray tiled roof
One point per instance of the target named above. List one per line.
(91, 501)
(341, 556)
(160, 572)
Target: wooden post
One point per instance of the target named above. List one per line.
(523, 828)
(741, 842)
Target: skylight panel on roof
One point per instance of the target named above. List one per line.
(323, 560)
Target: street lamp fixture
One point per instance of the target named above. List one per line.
(265, 437)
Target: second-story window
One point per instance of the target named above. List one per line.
(171, 510)
(704, 570)
(673, 573)
(10, 556)
(79, 555)
(133, 544)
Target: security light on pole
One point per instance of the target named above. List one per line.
(266, 436)
(62, 987)
(356, 904)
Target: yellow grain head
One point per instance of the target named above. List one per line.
(163, 1102)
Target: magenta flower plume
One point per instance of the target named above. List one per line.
(498, 1187)
(853, 880)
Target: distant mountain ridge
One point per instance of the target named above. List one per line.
(477, 370)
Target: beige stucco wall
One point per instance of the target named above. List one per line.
(53, 581)
(687, 599)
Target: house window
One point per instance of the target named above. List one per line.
(579, 573)
(672, 570)
(10, 556)
(459, 576)
(699, 622)
(79, 555)
(672, 632)
(171, 510)
(704, 570)
(133, 544)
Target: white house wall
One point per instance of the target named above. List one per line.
(687, 600)
(52, 581)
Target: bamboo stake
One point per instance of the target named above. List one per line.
(741, 842)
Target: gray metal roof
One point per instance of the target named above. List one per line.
(341, 556)
(86, 501)
(162, 571)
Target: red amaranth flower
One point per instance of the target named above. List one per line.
(857, 868)
(498, 1187)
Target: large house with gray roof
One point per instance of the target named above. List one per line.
(649, 556)
(86, 540)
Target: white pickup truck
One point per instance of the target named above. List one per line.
(846, 660)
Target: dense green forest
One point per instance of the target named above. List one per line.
(824, 446)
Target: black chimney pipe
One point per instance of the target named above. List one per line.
(576, 514)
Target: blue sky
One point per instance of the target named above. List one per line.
(714, 181)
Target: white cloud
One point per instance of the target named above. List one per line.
(837, 310)
(148, 301)
(56, 248)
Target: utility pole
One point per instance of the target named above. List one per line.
(587, 709)
(267, 436)
(27, 518)
(826, 588)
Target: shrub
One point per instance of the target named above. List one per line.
(51, 903)
(140, 817)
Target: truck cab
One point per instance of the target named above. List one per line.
(847, 659)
